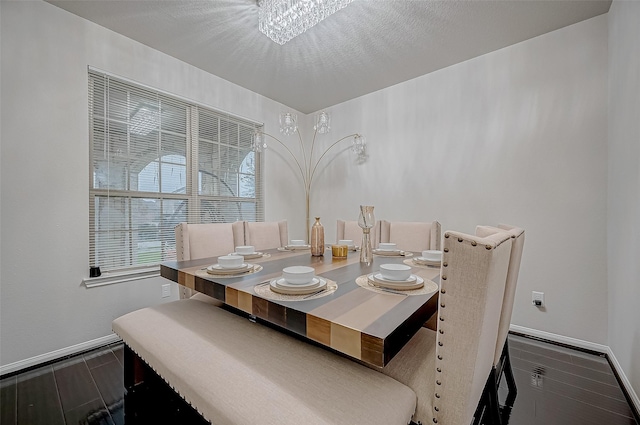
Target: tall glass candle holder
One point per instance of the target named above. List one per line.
(366, 221)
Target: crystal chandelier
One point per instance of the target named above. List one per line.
(307, 166)
(281, 20)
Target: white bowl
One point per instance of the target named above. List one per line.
(347, 242)
(245, 249)
(395, 271)
(432, 255)
(386, 246)
(298, 275)
(230, 261)
(297, 242)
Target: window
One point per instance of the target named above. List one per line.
(158, 160)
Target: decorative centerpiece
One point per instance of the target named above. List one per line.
(366, 220)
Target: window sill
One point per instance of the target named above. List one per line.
(108, 278)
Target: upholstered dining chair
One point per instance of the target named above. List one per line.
(411, 236)
(203, 240)
(351, 231)
(450, 369)
(266, 234)
(501, 360)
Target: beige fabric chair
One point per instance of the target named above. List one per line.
(501, 360)
(449, 369)
(266, 234)
(194, 241)
(351, 230)
(411, 236)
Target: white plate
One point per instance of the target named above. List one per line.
(249, 256)
(388, 252)
(378, 276)
(426, 261)
(402, 286)
(294, 247)
(281, 283)
(218, 267)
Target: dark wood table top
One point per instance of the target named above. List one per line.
(363, 323)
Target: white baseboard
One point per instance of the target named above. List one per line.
(625, 381)
(589, 346)
(560, 338)
(57, 354)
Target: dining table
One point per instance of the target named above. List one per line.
(350, 316)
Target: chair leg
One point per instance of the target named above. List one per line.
(492, 398)
(488, 410)
(508, 374)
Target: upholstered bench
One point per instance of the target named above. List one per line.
(233, 371)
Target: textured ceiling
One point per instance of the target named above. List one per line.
(369, 45)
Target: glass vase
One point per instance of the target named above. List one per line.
(317, 238)
(366, 220)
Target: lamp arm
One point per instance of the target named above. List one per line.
(313, 143)
(304, 177)
(324, 153)
(304, 156)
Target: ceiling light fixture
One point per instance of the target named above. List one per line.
(281, 20)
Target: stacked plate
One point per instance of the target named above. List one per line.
(249, 256)
(396, 276)
(429, 258)
(217, 269)
(412, 282)
(298, 280)
(297, 247)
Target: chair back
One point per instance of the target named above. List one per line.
(472, 281)
(411, 236)
(351, 231)
(195, 241)
(266, 234)
(517, 246)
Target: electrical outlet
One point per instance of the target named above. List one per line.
(166, 290)
(537, 299)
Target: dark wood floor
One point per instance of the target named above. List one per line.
(556, 386)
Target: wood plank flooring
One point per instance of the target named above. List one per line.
(556, 386)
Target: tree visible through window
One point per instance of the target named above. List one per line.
(157, 161)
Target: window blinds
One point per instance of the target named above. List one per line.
(158, 160)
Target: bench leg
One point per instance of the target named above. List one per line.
(150, 400)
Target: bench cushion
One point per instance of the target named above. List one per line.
(237, 372)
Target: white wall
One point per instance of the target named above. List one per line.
(44, 172)
(624, 187)
(515, 136)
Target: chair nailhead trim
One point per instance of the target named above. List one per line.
(437, 395)
(443, 291)
(442, 305)
(446, 235)
(435, 421)
(444, 277)
(438, 383)
(460, 239)
(438, 369)
(439, 357)
(446, 250)
(441, 331)
(474, 243)
(440, 343)
(445, 264)
(436, 408)
(488, 247)
(442, 319)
